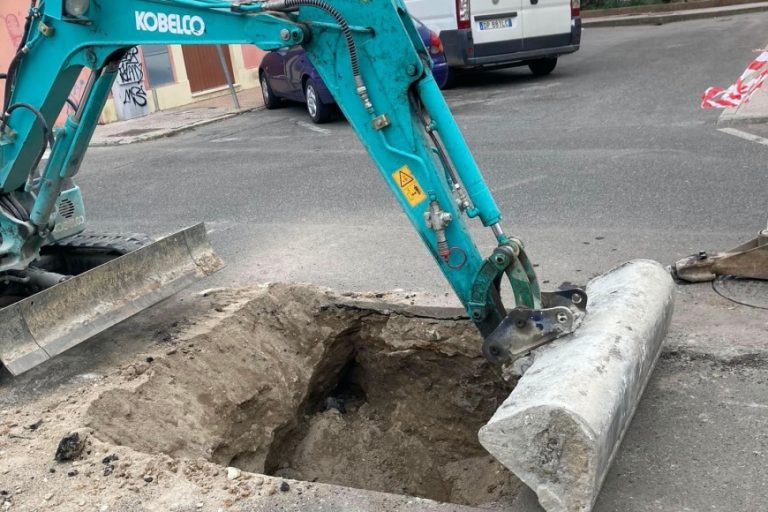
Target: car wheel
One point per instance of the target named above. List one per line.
(270, 100)
(317, 110)
(451, 78)
(541, 67)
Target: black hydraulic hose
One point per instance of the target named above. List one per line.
(11, 78)
(20, 208)
(362, 90)
(9, 208)
(321, 4)
(18, 212)
(13, 208)
(27, 25)
(47, 133)
(73, 105)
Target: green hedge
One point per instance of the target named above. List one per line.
(610, 4)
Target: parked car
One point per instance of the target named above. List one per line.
(288, 75)
(495, 34)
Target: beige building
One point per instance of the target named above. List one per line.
(173, 76)
(157, 77)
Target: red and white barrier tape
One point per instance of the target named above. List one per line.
(740, 92)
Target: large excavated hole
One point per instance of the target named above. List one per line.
(290, 381)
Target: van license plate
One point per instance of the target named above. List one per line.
(497, 23)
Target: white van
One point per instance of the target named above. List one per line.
(503, 33)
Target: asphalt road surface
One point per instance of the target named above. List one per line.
(610, 158)
(613, 144)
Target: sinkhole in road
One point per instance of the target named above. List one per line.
(295, 382)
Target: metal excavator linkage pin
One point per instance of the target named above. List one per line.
(538, 318)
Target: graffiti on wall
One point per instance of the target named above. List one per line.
(14, 29)
(12, 19)
(128, 89)
(76, 95)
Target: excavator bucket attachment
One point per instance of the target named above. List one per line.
(561, 427)
(747, 261)
(48, 323)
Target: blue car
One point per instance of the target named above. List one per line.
(288, 75)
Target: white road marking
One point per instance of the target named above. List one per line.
(461, 103)
(226, 139)
(548, 85)
(751, 405)
(219, 226)
(744, 135)
(494, 97)
(519, 182)
(312, 127)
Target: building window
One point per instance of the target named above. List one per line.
(158, 64)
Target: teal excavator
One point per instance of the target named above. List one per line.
(60, 284)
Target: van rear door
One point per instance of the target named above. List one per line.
(495, 21)
(436, 15)
(547, 23)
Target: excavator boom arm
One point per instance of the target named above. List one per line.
(371, 58)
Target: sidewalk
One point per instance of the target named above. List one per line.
(169, 122)
(662, 17)
(753, 112)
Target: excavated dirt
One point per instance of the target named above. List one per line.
(289, 381)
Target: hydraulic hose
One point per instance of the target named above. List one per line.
(47, 133)
(11, 78)
(19, 207)
(362, 90)
(11, 208)
(322, 4)
(72, 104)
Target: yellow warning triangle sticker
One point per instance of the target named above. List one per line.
(408, 185)
(404, 177)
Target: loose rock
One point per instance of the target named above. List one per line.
(110, 458)
(70, 447)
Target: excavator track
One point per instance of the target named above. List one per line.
(65, 259)
(110, 243)
(87, 286)
(80, 253)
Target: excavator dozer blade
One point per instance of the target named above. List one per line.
(562, 425)
(48, 323)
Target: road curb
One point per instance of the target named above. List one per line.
(668, 17)
(170, 132)
(728, 119)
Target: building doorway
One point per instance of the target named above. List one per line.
(203, 67)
